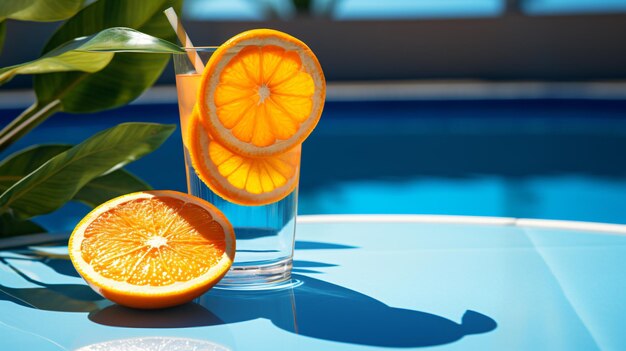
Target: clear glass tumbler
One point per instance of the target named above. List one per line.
(265, 234)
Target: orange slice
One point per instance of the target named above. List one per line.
(240, 179)
(262, 93)
(153, 249)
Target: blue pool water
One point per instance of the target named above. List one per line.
(554, 159)
(394, 9)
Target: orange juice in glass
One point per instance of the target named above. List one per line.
(242, 132)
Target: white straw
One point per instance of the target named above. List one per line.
(184, 39)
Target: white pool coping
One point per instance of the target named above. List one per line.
(405, 218)
(469, 220)
(606, 228)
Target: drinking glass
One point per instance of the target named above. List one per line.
(265, 234)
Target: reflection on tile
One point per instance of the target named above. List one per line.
(155, 344)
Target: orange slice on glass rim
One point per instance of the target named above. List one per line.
(153, 249)
(240, 179)
(262, 93)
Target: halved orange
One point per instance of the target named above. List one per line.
(262, 93)
(153, 249)
(240, 179)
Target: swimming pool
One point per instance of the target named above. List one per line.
(538, 158)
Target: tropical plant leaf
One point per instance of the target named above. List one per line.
(67, 61)
(59, 179)
(97, 191)
(110, 186)
(91, 53)
(21, 163)
(39, 10)
(127, 75)
(9, 226)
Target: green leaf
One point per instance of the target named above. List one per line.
(110, 186)
(39, 10)
(67, 61)
(91, 53)
(9, 226)
(21, 163)
(127, 75)
(59, 179)
(97, 191)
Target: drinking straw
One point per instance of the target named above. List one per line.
(172, 17)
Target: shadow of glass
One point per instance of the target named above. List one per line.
(184, 316)
(331, 312)
(233, 306)
(327, 311)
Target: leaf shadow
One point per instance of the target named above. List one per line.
(62, 266)
(300, 266)
(315, 245)
(50, 297)
(81, 298)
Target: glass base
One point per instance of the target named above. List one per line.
(258, 276)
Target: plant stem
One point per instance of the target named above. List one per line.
(26, 121)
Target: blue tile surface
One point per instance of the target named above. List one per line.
(374, 286)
